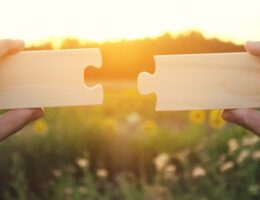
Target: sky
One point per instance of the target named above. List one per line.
(102, 20)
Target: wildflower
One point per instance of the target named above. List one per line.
(197, 116)
(57, 173)
(133, 118)
(232, 145)
(215, 119)
(40, 126)
(182, 155)
(161, 161)
(169, 171)
(150, 125)
(124, 177)
(157, 191)
(249, 140)
(110, 124)
(256, 155)
(226, 166)
(68, 190)
(222, 158)
(198, 172)
(254, 189)
(102, 173)
(70, 168)
(82, 162)
(242, 156)
(82, 190)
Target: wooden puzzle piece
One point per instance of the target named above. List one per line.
(48, 78)
(204, 81)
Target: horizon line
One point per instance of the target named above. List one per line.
(57, 41)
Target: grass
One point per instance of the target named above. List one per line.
(126, 150)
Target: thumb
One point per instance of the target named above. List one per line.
(8, 47)
(247, 118)
(253, 48)
(15, 120)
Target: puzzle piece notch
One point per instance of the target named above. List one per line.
(145, 83)
(204, 81)
(48, 79)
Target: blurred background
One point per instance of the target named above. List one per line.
(124, 149)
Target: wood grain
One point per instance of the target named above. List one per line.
(204, 81)
(48, 79)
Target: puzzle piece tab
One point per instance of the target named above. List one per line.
(204, 81)
(48, 79)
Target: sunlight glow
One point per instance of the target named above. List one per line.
(101, 20)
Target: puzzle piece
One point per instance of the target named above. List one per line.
(48, 78)
(204, 81)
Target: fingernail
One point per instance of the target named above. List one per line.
(40, 113)
(228, 116)
(36, 113)
(252, 43)
(248, 43)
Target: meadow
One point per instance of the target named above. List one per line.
(124, 149)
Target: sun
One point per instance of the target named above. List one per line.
(103, 20)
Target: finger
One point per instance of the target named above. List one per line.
(15, 120)
(247, 118)
(253, 48)
(8, 47)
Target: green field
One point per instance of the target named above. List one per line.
(126, 150)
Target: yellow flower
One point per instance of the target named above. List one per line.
(40, 126)
(133, 118)
(215, 119)
(110, 124)
(197, 116)
(150, 125)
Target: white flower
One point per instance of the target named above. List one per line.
(82, 190)
(82, 162)
(70, 168)
(254, 189)
(226, 166)
(68, 190)
(256, 155)
(56, 173)
(232, 145)
(198, 172)
(169, 171)
(242, 156)
(102, 173)
(133, 118)
(161, 161)
(249, 140)
(182, 155)
(222, 158)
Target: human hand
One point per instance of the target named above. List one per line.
(16, 119)
(247, 118)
